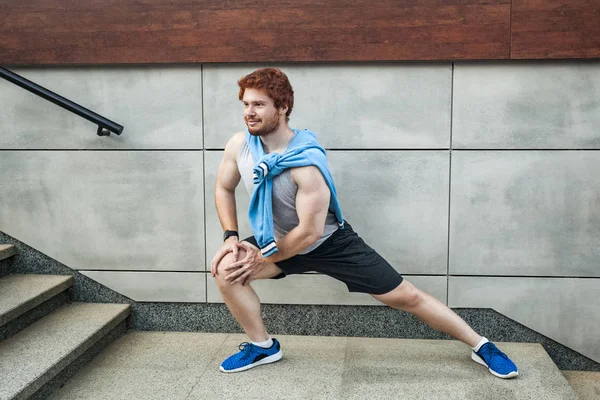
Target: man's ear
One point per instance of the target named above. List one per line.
(283, 110)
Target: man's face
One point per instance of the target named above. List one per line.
(260, 114)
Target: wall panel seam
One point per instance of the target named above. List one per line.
(449, 184)
(204, 182)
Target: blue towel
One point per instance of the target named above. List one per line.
(302, 151)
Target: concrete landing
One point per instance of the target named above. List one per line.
(167, 365)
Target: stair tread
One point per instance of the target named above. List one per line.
(33, 356)
(7, 250)
(20, 293)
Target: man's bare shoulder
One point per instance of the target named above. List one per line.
(235, 143)
(307, 174)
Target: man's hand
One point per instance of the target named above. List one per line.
(242, 270)
(231, 245)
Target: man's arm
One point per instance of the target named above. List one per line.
(228, 177)
(312, 204)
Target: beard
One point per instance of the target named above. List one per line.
(267, 127)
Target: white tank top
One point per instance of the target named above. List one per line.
(285, 217)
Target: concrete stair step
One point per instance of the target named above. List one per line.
(33, 357)
(185, 365)
(585, 383)
(7, 250)
(21, 293)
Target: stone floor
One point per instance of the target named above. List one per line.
(585, 383)
(167, 365)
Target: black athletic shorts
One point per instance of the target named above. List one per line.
(347, 258)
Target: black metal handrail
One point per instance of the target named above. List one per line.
(105, 126)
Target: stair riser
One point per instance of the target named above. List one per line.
(4, 268)
(74, 367)
(23, 321)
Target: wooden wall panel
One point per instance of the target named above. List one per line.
(181, 31)
(555, 29)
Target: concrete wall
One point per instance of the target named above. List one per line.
(477, 181)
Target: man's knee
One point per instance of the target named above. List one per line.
(405, 297)
(225, 262)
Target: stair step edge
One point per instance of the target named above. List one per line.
(7, 250)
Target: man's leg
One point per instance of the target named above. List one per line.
(436, 314)
(242, 301)
(244, 305)
(407, 297)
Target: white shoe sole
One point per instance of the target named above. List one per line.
(267, 360)
(479, 360)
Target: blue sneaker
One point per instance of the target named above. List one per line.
(251, 356)
(497, 362)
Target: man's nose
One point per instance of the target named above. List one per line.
(250, 111)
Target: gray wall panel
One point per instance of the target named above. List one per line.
(179, 287)
(565, 310)
(525, 213)
(321, 289)
(160, 108)
(106, 210)
(348, 106)
(397, 201)
(550, 105)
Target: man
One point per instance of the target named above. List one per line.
(298, 227)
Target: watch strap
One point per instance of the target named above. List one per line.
(227, 234)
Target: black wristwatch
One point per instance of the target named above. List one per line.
(228, 234)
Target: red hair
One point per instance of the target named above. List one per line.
(274, 82)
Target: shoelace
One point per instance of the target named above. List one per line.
(491, 351)
(245, 346)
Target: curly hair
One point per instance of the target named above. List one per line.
(274, 82)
